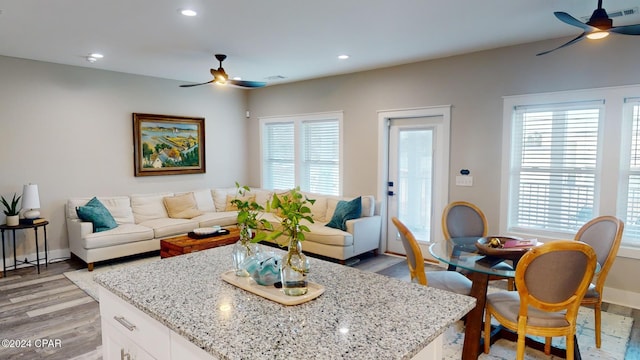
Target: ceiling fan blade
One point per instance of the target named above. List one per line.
(568, 19)
(247, 84)
(190, 85)
(580, 37)
(626, 30)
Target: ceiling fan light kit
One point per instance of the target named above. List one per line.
(598, 27)
(220, 77)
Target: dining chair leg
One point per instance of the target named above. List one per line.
(596, 310)
(520, 346)
(547, 346)
(570, 347)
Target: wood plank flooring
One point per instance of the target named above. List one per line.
(50, 308)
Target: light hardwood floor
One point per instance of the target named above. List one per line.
(50, 307)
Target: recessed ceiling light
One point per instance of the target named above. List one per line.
(343, 57)
(96, 55)
(188, 12)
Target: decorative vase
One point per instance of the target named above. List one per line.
(13, 220)
(295, 268)
(243, 249)
(264, 267)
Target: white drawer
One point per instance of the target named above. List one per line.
(146, 332)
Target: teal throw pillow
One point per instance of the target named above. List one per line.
(95, 212)
(345, 210)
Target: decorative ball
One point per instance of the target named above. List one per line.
(264, 268)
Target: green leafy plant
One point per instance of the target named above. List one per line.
(249, 214)
(290, 208)
(11, 209)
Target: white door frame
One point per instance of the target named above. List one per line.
(441, 183)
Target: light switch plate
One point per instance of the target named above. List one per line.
(464, 180)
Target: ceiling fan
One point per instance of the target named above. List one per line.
(220, 77)
(599, 26)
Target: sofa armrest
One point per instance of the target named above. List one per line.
(366, 233)
(77, 230)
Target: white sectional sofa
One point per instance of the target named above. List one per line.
(143, 220)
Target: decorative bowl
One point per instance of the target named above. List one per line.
(205, 231)
(264, 267)
(514, 253)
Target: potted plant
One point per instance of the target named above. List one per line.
(248, 221)
(291, 208)
(11, 210)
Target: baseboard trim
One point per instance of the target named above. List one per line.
(53, 256)
(621, 297)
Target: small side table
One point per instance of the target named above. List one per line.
(17, 262)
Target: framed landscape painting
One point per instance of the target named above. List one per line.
(168, 145)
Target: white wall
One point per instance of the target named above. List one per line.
(70, 130)
(474, 84)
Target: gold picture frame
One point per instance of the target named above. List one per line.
(168, 145)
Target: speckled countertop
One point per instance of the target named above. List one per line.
(386, 318)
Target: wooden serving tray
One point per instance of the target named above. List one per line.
(271, 292)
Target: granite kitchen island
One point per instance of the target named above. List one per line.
(179, 306)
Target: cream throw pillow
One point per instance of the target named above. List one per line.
(232, 207)
(181, 206)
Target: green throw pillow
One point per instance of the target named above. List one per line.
(345, 210)
(95, 212)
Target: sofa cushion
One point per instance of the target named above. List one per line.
(181, 206)
(123, 234)
(345, 210)
(118, 206)
(220, 197)
(204, 199)
(95, 212)
(149, 206)
(229, 206)
(368, 205)
(327, 235)
(164, 227)
(222, 218)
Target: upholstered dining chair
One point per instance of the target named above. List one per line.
(551, 280)
(445, 280)
(464, 219)
(604, 234)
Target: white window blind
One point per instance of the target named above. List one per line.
(279, 156)
(553, 167)
(302, 150)
(321, 157)
(631, 175)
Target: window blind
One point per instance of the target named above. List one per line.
(279, 156)
(321, 156)
(631, 174)
(553, 167)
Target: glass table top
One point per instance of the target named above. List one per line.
(463, 253)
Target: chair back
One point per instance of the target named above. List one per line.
(463, 219)
(555, 276)
(415, 261)
(604, 234)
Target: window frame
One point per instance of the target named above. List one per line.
(298, 121)
(609, 170)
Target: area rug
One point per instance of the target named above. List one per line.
(616, 328)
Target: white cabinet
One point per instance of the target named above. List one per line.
(125, 327)
(116, 346)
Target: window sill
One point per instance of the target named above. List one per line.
(629, 252)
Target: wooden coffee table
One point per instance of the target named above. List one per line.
(183, 244)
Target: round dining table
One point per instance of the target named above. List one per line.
(462, 253)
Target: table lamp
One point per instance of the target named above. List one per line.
(30, 201)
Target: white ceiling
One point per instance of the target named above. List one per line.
(297, 39)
